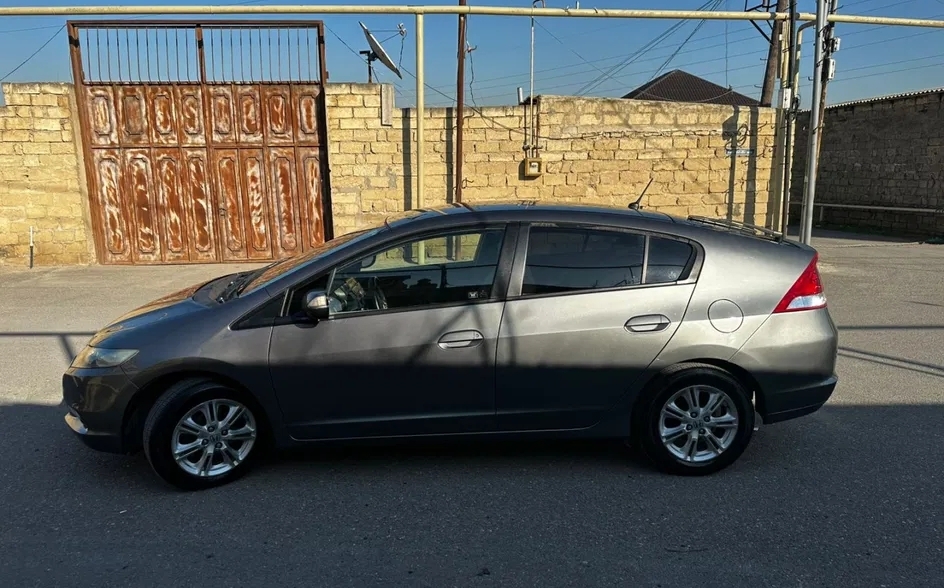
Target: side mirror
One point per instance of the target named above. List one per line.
(316, 304)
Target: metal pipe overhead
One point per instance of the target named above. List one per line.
(468, 10)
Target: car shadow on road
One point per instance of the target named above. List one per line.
(825, 444)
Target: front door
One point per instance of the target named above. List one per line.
(587, 323)
(409, 347)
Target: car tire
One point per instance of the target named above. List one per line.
(714, 448)
(212, 455)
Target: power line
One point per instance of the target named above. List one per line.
(626, 62)
(687, 39)
(34, 54)
(570, 75)
(568, 47)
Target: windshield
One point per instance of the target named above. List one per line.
(284, 266)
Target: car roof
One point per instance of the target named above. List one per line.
(534, 211)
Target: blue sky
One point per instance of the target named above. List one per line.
(570, 53)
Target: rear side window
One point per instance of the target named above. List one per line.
(669, 260)
(571, 259)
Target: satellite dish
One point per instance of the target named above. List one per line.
(377, 52)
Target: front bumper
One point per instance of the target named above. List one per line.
(790, 404)
(96, 401)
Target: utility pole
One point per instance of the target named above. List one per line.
(809, 192)
(460, 105)
(773, 58)
(830, 46)
(826, 45)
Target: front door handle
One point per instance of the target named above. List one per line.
(649, 323)
(460, 339)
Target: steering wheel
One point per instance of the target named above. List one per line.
(380, 299)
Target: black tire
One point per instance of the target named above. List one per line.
(647, 417)
(170, 408)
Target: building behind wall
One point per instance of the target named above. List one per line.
(880, 153)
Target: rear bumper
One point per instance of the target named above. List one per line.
(790, 404)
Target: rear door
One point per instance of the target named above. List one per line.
(589, 309)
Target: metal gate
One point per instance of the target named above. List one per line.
(203, 142)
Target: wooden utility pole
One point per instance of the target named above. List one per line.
(773, 59)
(460, 105)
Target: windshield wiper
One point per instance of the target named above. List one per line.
(234, 286)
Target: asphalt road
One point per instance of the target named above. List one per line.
(850, 496)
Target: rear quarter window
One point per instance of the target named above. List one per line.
(670, 260)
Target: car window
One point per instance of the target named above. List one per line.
(572, 259)
(286, 266)
(443, 269)
(668, 260)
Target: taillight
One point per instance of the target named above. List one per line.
(806, 293)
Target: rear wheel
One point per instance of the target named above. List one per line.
(202, 434)
(695, 419)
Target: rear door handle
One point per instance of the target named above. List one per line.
(648, 323)
(460, 339)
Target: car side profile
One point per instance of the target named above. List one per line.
(516, 321)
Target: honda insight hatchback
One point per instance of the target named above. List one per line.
(498, 320)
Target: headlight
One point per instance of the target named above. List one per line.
(96, 357)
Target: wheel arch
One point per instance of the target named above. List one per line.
(742, 375)
(143, 401)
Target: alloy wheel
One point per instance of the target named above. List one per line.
(213, 438)
(698, 423)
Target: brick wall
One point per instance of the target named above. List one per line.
(883, 153)
(594, 151)
(40, 181)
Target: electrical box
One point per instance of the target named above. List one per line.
(834, 44)
(830, 69)
(533, 167)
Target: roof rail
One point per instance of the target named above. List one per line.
(739, 226)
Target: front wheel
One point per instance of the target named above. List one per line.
(694, 420)
(201, 434)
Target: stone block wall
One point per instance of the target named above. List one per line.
(41, 184)
(880, 153)
(702, 159)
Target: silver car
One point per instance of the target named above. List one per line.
(512, 321)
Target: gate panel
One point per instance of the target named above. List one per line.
(309, 163)
(101, 117)
(162, 114)
(191, 115)
(254, 190)
(223, 116)
(203, 213)
(173, 210)
(308, 103)
(278, 115)
(132, 116)
(228, 173)
(249, 115)
(193, 156)
(138, 179)
(283, 179)
(112, 214)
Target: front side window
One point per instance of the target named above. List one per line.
(444, 269)
(572, 259)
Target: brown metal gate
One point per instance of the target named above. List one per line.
(203, 142)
